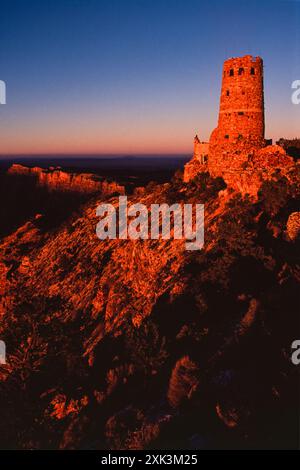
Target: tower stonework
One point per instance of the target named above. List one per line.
(237, 150)
(241, 124)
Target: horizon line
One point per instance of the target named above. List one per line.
(93, 155)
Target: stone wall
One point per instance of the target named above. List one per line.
(237, 148)
(201, 150)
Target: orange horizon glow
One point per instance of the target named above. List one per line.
(68, 136)
(145, 82)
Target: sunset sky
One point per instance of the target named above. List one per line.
(136, 76)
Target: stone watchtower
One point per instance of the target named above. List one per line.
(241, 124)
(237, 150)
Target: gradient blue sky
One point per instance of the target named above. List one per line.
(136, 76)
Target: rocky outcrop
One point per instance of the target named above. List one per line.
(247, 175)
(192, 169)
(55, 179)
(293, 226)
(246, 172)
(111, 338)
(183, 381)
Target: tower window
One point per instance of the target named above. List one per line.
(252, 71)
(231, 72)
(241, 71)
(227, 93)
(226, 136)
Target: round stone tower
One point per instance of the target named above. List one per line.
(242, 99)
(241, 124)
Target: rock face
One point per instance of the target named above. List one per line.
(248, 175)
(54, 179)
(124, 344)
(293, 225)
(192, 169)
(237, 148)
(183, 381)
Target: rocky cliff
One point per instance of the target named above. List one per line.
(55, 179)
(141, 344)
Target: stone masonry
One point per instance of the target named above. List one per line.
(237, 148)
(241, 124)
